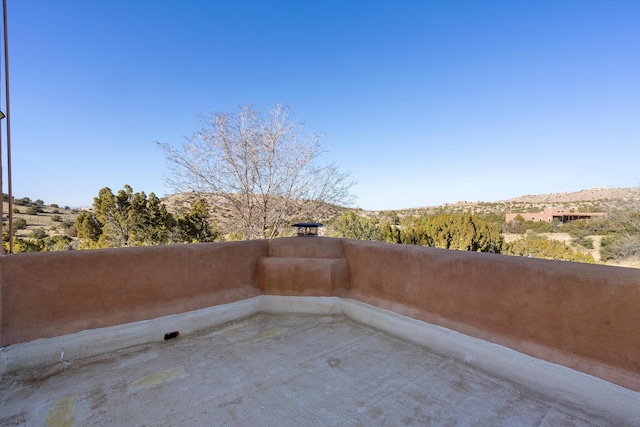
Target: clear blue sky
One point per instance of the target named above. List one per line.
(425, 102)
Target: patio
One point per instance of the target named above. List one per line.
(275, 370)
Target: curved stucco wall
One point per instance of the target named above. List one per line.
(582, 316)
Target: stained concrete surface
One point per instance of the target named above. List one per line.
(276, 370)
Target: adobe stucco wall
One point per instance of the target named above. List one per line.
(582, 316)
(55, 293)
(578, 315)
(304, 266)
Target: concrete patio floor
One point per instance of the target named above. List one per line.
(276, 370)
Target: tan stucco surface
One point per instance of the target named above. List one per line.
(579, 315)
(582, 316)
(49, 294)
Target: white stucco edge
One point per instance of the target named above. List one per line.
(92, 342)
(602, 398)
(589, 393)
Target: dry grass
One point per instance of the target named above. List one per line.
(593, 200)
(593, 194)
(44, 220)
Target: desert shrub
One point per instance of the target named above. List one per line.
(22, 245)
(390, 216)
(58, 243)
(517, 226)
(34, 210)
(496, 218)
(38, 233)
(619, 246)
(16, 210)
(581, 237)
(233, 237)
(69, 228)
(606, 252)
(54, 205)
(71, 231)
(586, 243)
(520, 226)
(19, 224)
(39, 202)
(56, 218)
(539, 226)
(536, 246)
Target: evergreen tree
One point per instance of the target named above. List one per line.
(195, 227)
(89, 230)
(463, 232)
(353, 226)
(132, 219)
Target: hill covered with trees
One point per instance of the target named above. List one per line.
(133, 219)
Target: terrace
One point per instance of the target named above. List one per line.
(315, 331)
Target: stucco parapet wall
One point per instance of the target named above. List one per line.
(584, 391)
(578, 315)
(304, 266)
(306, 247)
(56, 293)
(303, 276)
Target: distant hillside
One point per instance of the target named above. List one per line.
(31, 217)
(593, 194)
(221, 214)
(55, 220)
(593, 200)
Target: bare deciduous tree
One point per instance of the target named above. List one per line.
(265, 168)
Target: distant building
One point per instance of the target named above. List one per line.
(550, 214)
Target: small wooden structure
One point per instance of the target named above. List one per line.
(307, 228)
